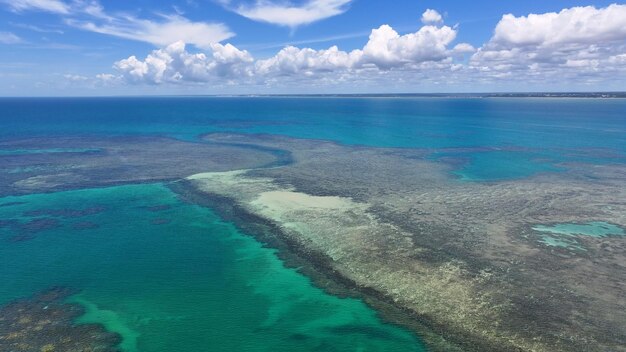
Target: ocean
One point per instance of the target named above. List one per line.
(169, 275)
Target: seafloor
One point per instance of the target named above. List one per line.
(44, 323)
(461, 263)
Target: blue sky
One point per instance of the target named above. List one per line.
(90, 47)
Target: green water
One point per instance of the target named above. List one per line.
(564, 235)
(178, 278)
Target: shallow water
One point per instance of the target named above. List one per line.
(564, 235)
(593, 229)
(170, 276)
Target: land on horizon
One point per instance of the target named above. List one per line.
(616, 94)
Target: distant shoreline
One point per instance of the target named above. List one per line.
(575, 95)
(450, 95)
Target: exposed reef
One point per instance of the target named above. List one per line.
(44, 323)
(460, 257)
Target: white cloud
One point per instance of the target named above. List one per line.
(106, 77)
(576, 47)
(431, 16)
(54, 6)
(75, 78)
(579, 25)
(34, 28)
(9, 38)
(569, 45)
(385, 50)
(288, 14)
(160, 33)
(174, 64)
(617, 59)
(91, 16)
(292, 60)
(463, 48)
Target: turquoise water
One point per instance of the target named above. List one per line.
(497, 165)
(497, 138)
(170, 276)
(565, 235)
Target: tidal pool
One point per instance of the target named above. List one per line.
(564, 235)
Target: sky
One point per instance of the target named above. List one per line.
(156, 47)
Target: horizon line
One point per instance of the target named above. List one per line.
(528, 94)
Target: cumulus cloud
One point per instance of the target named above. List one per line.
(9, 38)
(580, 46)
(174, 64)
(289, 14)
(569, 42)
(160, 33)
(578, 25)
(385, 50)
(463, 48)
(431, 16)
(292, 61)
(54, 6)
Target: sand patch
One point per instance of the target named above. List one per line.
(285, 200)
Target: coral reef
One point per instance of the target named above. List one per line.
(44, 323)
(462, 257)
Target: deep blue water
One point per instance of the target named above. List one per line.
(486, 139)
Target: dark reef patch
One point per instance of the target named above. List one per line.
(66, 213)
(364, 330)
(85, 225)
(12, 223)
(158, 208)
(44, 323)
(10, 204)
(160, 221)
(30, 230)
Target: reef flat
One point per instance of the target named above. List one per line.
(61, 163)
(460, 257)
